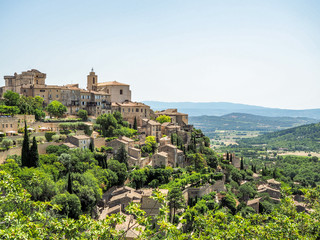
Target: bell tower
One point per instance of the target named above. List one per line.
(92, 81)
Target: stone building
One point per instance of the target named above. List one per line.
(160, 159)
(119, 92)
(81, 141)
(11, 124)
(176, 157)
(180, 118)
(151, 128)
(132, 110)
(254, 203)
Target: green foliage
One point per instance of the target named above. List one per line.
(120, 169)
(11, 98)
(48, 136)
(150, 145)
(83, 114)
(57, 150)
(9, 110)
(176, 200)
(122, 155)
(6, 143)
(163, 118)
(70, 205)
(56, 109)
(25, 148)
(34, 154)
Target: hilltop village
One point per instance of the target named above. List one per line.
(95, 151)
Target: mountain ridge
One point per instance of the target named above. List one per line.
(223, 108)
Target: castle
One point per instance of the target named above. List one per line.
(97, 99)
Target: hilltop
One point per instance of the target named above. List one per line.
(302, 138)
(223, 108)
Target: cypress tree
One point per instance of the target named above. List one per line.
(69, 187)
(34, 154)
(227, 156)
(241, 164)
(135, 127)
(230, 156)
(25, 148)
(91, 147)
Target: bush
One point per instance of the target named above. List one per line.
(56, 138)
(83, 114)
(7, 143)
(49, 135)
(39, 139)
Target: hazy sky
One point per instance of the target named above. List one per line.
(263, 53)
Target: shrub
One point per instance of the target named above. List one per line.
(49, 135)
(56, 138)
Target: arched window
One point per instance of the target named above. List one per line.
(93, 80)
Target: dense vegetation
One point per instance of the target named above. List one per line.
(302, 138)
(13, 103)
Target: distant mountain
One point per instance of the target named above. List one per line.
(247, 122)
(302, 138)
(223, 108)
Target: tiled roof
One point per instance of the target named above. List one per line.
(112, 83)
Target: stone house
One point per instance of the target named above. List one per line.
(175, 156)
(254, 203)
(160, 159)
(81, 141)
(273, 193)
(132, 110)
(11, 124)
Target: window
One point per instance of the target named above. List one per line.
(11, 125)
(24, 90)
(49, 95)
(108, 91)
(137, 109)
(93, 80)
(57, 96)
(83, 103)
(42, 90)
(37, 82)
(6, 125)
(141, 110)
(121, 91)
(88, 97)
(82, 97)
(128, 109)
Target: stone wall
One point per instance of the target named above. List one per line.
(99, 142)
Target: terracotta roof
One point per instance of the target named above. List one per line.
(124, 138)
(151, 122)
(253, 201)
(128, 104)
(112, 83)
(164, 154)
(80, 137)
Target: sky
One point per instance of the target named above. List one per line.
(264, 53)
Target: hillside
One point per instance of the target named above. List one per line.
(223, 108)
(302, 138)
(247, 122)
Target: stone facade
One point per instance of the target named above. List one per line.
(175, 156)
(81, 141)
(132, 110)
(120, 92)
(160, 159)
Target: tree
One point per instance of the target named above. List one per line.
(229, 202)
(25, 148)
(108, 124)
(247, 191)
(7, 143)
(150, 145)
(83, 114)
(34, 154)
(69, 186)
(11, 98)
(135, 127)
(120, 169)
(91, 147)
(122, 155)
(70, 205)
(176, 201)
(163, 118)
(56, 109)
(241, 164)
